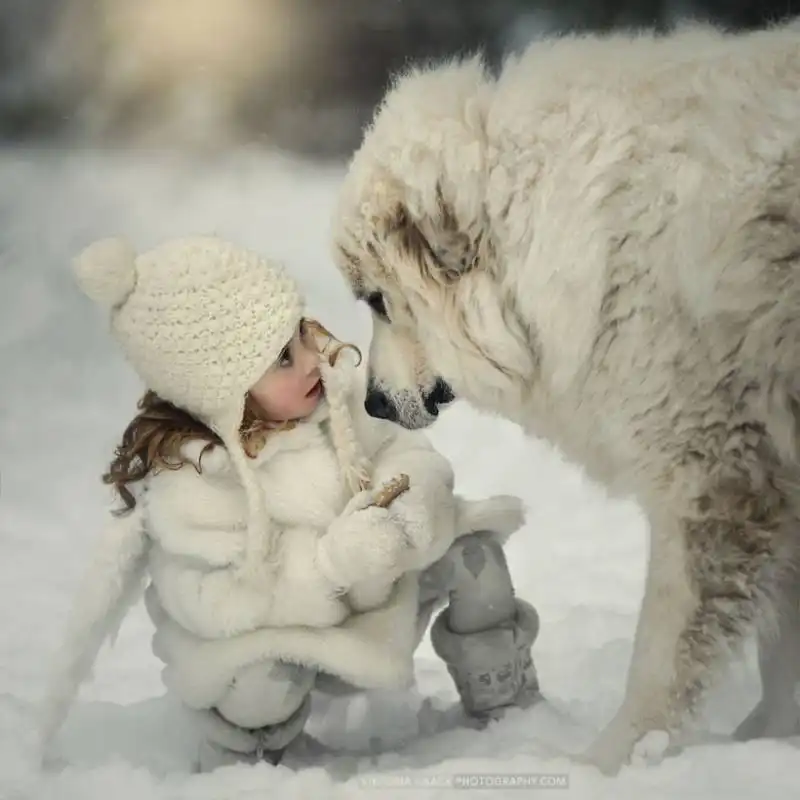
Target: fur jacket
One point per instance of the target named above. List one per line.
(211, 620)
(186, 538)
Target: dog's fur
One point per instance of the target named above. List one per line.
(603, 244)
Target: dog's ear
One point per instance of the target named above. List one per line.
(443, 249)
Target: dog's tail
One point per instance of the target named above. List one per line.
(111, 586)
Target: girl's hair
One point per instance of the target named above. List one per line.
(154, 438)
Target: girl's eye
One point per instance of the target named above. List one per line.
(285, 358)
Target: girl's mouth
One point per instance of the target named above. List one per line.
(315, 389)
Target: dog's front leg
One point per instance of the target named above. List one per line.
(709, 576)
(668, 606)
(777, 714)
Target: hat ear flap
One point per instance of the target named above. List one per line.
(352, 461)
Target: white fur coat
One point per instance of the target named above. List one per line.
(212, 617)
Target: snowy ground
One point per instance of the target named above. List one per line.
(66, 394)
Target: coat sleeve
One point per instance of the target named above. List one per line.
(199, 533)
(196, 517)
(429, 507)
(198, 525)
(399, 450)
(392, 449)
(435, 511)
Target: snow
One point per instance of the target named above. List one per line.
(66, 396)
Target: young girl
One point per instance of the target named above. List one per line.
(255, 502)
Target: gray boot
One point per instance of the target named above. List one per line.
(492, 669)
(485, 634)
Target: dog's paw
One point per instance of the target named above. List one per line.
(765, 722)
(608, 759)
(651, 748)
(613, 747)
(619, 744)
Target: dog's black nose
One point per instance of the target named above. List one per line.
(440, 395)
(379, 404)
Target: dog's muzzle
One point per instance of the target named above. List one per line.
(382, 405)
(378, 404)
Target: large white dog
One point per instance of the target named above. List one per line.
(603, 245)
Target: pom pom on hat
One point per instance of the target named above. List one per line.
(106, 271)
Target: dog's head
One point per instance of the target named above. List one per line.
(411, 234)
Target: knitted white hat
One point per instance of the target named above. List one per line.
(201, 320)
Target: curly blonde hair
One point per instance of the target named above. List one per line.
(154, 438)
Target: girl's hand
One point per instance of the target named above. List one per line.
(364, 542)
(410, 512)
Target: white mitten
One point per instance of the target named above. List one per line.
(363, 543)
(410, 511)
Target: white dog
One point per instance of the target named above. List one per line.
(603, 245)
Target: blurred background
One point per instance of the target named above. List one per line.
(299, 75)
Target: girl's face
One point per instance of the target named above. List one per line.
(291, 388)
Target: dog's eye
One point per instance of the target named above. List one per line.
(376, 302)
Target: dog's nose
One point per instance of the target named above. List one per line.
(440, 395)
(378, 404)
